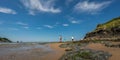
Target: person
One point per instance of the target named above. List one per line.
(72, 38)
(60, 38)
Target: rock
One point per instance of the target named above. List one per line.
(86, 54)
(68, 49)
(112, 45)
(63, 46)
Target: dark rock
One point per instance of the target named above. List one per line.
(63, 46)
(86, 54)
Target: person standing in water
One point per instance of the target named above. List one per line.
(72, 38)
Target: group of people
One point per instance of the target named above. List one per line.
(60, 37)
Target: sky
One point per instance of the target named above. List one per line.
(45, 20)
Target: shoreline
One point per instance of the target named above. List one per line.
(31, 51)
(55, 51)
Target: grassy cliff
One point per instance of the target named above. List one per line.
(110, 29)
(110, 24)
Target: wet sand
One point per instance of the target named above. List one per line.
(50, 51)
(55, 55)
(114, 51)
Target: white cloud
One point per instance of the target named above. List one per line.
(21, 23)
(26, 27)
(35, 6)
(49, 26)
(7, 10)
(65, 25)
(91, 7)
(74, 21)
(52, 26)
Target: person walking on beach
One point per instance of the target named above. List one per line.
(72, 38)
(60, 37)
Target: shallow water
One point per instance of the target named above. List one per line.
(18, 48)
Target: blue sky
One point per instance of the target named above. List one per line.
(45, 20)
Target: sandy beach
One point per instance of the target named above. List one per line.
(50, 51)
(114, 51)
(55, 55)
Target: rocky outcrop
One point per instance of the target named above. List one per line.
(109, 30)
(77, 52)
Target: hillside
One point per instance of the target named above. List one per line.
(5, 40)
(108, 30)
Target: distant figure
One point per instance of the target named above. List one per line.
(17, 41)
(60, 38)
(72, 38)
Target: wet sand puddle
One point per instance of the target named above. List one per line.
(24, 51)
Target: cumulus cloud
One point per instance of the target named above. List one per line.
(21, 23)
(65, 25)
(49, 26)
(7, 10)
(91, 7)
(35, 6)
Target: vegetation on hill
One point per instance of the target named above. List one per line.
(110, 29)
(110, 24)
(4, 40)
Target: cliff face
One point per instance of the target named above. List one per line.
(108, 30)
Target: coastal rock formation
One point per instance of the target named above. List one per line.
(108, 30)
(86, 54)
(77, 51)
